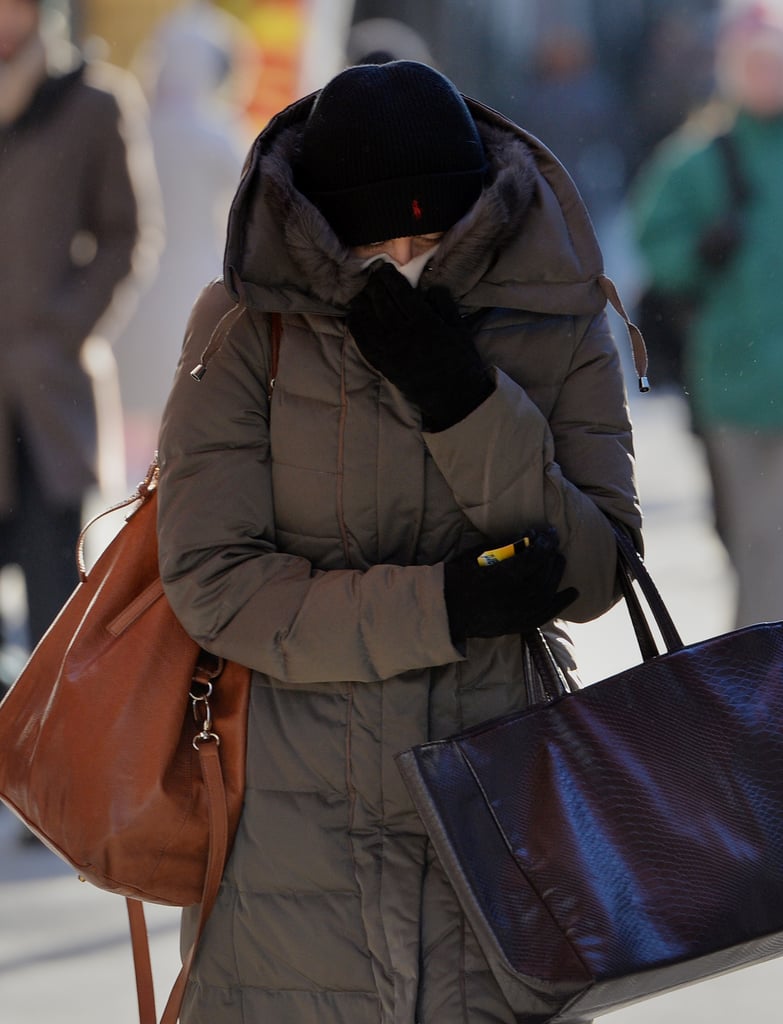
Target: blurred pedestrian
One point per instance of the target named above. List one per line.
(447, 382)
(697, 241)
(574, 108)
(69, 232)
(189, 70)
(378, 40)
(672, 76)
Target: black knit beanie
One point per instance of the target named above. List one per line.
(390, 150)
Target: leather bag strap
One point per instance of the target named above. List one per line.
(141, 961)
(630, 568)
(212, 775)
(139, 496)
(216, 802)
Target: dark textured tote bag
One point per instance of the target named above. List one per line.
(624, 839)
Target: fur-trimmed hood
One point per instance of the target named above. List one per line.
(527, 243)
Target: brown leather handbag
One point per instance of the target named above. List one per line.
(123, 742)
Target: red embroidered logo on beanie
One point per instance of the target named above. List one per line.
(417, 210)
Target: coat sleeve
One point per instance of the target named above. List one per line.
(568, 466)
(230, 588)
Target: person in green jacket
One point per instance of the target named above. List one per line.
(696, 240)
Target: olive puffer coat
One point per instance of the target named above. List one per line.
(306, 537)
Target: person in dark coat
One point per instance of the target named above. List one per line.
(69, 234)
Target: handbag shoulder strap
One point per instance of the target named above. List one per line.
(212, 774)
(630, 567)
(138, 498)
(209, 759)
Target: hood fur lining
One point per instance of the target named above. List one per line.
(328, 271)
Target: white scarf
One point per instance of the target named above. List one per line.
(20, 77)
(412, 270)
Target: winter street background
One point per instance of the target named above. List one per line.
(64, 949)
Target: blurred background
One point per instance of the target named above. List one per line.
(602, 83)
(649, 57)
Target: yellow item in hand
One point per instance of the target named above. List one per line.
(501, 554)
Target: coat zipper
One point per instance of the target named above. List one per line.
(341, 454)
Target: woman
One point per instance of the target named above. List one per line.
(446, 383)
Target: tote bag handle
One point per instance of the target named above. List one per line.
(630, 569)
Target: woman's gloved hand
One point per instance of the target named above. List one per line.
(511, 596)
(418, 342)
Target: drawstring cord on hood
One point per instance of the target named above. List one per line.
(227, 321)
(218, 336)
(638, 347)
(222, 328)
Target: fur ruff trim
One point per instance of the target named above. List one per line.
(330, 272)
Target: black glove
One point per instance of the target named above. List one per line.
(419, 343)
(718, 243)
(512, 596)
